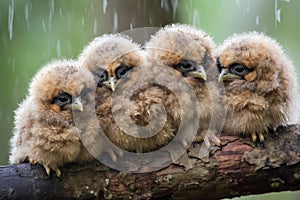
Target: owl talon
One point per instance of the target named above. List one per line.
(211, 137)
(184, 143)
(112, 155)
(217, 142)
(258, 138)
(261, 137)
(48, 170)
(207, 143)
(58, 172)
(32, 161)
(254, 137)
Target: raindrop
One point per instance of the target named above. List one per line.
(95, 26)
(115, 25)
(277, 15)
(51, 10)
(286, 1)
(105, 4)
(58, 48)
(150, 21)
(131, 26)
(248, 10)
(60, 12)
(257, 20)
(161, 3)
(174, 7)
(82, 22)
(11, 19)
(238, 3)
(27, 15)
(13, 65)
(44, 25)
(196, 18)
(8, 60)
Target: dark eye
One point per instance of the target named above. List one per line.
(219, 66)
(101, 76)
(63, 99)
(122, 71)
(185, 66)
(239, 69)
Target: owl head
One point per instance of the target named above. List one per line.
(59, 88)
(253, 61)
(110, 58)
(184, 48)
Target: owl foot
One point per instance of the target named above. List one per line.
(184, 143)
(261, 138)
(48, 170)
(211, 137)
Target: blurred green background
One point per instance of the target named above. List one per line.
(34, 32)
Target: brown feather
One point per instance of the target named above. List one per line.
(45, 132)
(178, 42)
(266, 96)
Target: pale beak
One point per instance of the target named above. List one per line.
(226, 75)
(111, 83)
(199, 73)
(76, 105)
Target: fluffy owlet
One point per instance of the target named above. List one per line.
(115, 62)
(260, 84)
(188, 50)
(45, 132)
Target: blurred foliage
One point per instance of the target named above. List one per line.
(33, 32)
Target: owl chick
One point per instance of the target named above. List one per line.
(115, 61)
(260, 84)
(44, 131)
(188, 51)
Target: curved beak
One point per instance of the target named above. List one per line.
(226, 75)
(111, 83)
(199, 73)
(75, 105)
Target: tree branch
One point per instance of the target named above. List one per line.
(238, 168)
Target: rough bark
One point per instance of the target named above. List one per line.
(238, 168)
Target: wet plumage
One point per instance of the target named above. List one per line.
(119, 64)
(44, 130)
(260, 83)
(188, 51)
